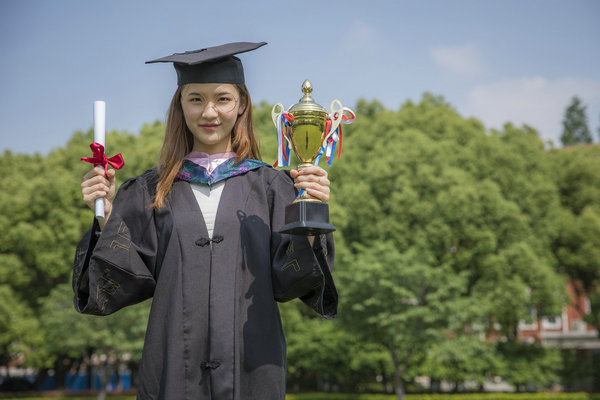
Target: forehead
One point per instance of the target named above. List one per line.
(208, 89)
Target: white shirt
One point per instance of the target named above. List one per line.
(208, 201)
(208, 197)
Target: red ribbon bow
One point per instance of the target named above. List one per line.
(100, 158)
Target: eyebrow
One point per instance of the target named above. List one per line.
(201, 94)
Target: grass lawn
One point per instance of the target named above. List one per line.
(348, 396)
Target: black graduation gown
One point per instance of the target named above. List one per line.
(214, 330)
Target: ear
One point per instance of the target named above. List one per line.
(242, 107)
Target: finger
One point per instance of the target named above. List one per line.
(91, 173)
(95, 180)
(96, 171)
(294, 173)
(312, 173)
(95, 194)
(95, 188)
(91, 198)
(316, 194)
(313, 186)
(313, 170)
(320, 180)
(111, 174)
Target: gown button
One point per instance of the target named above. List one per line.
(210, 364)
(202, 242)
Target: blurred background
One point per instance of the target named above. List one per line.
(467, 196)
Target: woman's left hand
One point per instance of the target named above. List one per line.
(314, 181)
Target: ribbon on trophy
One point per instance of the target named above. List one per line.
(285, 120)
(332, 138)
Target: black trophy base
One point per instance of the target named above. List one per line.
(307, 218)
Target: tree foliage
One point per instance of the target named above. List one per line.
(447, 230)
(448, 236)
(575, 125)
(577, 246)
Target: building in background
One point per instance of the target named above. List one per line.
(568, 331)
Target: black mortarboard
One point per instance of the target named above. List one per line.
(211, 65)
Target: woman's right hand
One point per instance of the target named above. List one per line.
(94, 186)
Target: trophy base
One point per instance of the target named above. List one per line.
(307, 218)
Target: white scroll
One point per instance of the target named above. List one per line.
(99, 137)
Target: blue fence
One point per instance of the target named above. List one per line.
(80, 382)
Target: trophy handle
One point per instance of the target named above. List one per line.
(336, 116)
(276, 114)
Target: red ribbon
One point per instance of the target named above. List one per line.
(100, 158)
(345, 116)
(340, 135)
(339, 129)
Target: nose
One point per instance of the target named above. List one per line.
(210, 111)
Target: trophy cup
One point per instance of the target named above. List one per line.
(306, 126)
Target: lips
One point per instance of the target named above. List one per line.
(210, 127)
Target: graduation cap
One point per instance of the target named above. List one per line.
(216, 64)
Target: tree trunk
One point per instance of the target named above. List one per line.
(40, 377)
(133, 367)
(384, 380)
(60, 373)
(62, 366)
(102, 394)
(435, 385)
(88, 367)
(104, 378)
(398, 383)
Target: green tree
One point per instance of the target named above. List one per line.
(265, 131)
(322, 357)
(101, 343)
(446, 234)
(575, 125)
(466, 357)
(529, 364)
(576, 175)
(43, 218)
(440, 225)
(20, 333)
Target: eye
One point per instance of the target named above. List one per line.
(225, 99)
(196, 99)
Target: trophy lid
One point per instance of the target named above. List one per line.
(306, 103)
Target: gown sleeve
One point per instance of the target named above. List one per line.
(300, 270)
(114, 268)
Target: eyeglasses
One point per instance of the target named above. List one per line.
(223, 104)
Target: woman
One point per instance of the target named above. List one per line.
(199, 235)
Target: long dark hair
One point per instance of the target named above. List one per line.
(179, 142)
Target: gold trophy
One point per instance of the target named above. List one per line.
(305, 131)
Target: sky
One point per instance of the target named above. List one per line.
(498, 61)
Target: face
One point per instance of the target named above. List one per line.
(210, 111)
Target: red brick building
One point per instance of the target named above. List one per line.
(568, 330)
(571, 333)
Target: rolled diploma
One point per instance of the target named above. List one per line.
(99, 137)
